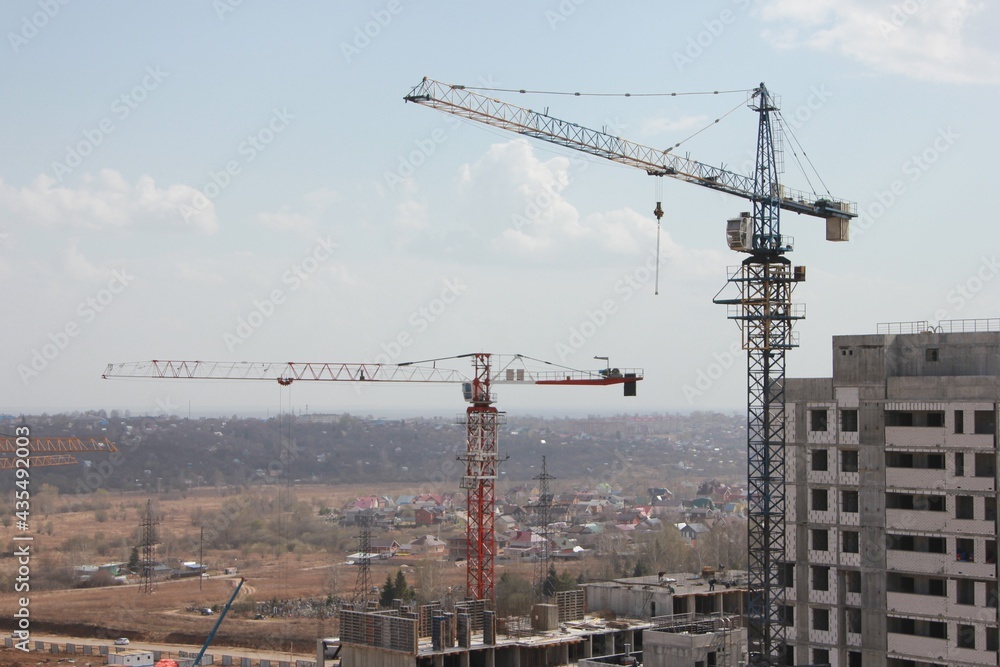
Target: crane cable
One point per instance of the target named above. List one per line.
(522, 91)
(714, 122)
(785, 127)
(658, 212)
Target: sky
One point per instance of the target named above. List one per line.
(243, 181)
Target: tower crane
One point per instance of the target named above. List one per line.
(482, 418)
(58, 451)
(762, 306)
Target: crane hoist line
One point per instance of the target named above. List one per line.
(761, 306)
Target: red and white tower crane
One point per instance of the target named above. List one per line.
(762, 306)
(482, 418)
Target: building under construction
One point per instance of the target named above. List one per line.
(615, 627)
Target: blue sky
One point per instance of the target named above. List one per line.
(174, 168)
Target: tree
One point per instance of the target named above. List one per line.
(513, 595)
(395, 589)
(133, 560)
(388, 592)
(551, 580)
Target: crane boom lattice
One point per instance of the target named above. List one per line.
(52, 451)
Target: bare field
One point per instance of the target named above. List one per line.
(167, 615)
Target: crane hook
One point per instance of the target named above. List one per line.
(658, 212)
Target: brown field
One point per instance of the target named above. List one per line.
(167, 614)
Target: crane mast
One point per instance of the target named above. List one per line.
(762, 307)
(481, 419)
(763, 310)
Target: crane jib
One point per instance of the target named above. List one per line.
(459, 101)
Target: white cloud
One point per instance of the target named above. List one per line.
(322, 197)
(921, 39)
(107, 201)
(79, 268)
(193, 273)
(536, 222)
(411, 214)
(286, 221)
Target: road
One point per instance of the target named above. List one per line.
(173, 649)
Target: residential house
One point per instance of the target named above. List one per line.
(427, 545)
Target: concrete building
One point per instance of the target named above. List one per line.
(695, 624)
(892, 500)
(671, 595)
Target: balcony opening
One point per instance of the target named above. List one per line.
(917, 543)
(917, 628)
(923, 418)
(964, 507)
(852, 615)
(966, 636)
(820, 578)
(986, 465)
(921, 460)
(849, 421)
(817, 420)
(788, 615)
(915, 501)
(985, 422)
(849, 501)
(786, 574)
(819, 500)
(848, 460)
(965, 550)
(965, 591)
(852, 581)
(915, 584)
(820, 539)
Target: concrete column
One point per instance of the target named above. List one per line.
(588, 647)
(439, 660)
(516, 652)
(463, 659)
(564, 654)
(491, 657)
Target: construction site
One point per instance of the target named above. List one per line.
(744, 626)
(394, 334)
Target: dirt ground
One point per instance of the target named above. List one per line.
(169, 613)
(10, 657)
